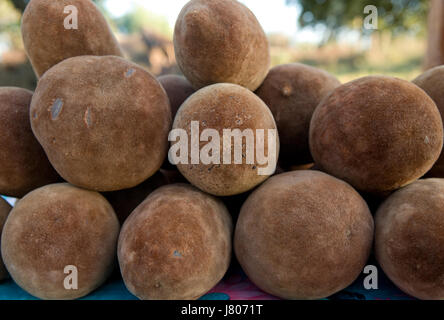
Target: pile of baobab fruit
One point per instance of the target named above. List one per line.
(87, 151)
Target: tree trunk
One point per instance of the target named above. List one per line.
(435, 47)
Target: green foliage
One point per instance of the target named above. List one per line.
(395, 16)
(139, 19)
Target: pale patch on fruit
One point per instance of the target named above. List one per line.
(287, 91)
(130, 72)
(88, 118)
(56, 108)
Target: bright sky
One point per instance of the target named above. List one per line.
(274, 15)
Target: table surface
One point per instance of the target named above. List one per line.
(235, 286)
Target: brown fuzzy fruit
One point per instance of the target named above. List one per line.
(221, 41)
(5, 208)
(48, 42)
(125, 201)
(24, 165)
(175, 245)
(58, 226)
(377, 133)
(303, 235)
(409, 241)
(432, 82)
(219, 107)
(103, 122)
(178, 89)
(292, 92)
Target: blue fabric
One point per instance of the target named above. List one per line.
(10, 200)
(115, 290)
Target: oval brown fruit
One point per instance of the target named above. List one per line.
(50, 34)
(432, 82)
(292, 92)
(125, 201)
(5, 208)
(303, 235)
(103, 122)
(176, 245)
(56, 231)
(178, 89)
(409, 240)
(24, 165)
(377, 133)
(221, 41)
(218, 108)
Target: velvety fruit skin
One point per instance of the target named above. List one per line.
(377, 133)
(219, 107)
(409, 241)
(103, 122)
(56, 226)
(178, 89)
(24, 165)
(219, 41)
(5, 208)
(125, 201)
(292, 92)
(176, 245)
(47, 42)
(432, 83)
(303, 235)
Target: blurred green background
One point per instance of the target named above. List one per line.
(325, 33)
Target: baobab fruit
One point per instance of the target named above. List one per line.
(125, 201)
(176, 245)
(5, 208)
(218, 41)
(292, 92)
(224, 140)
(377, 133)
(431, 82)
(24, 165)
(303, 235)
(409, 240)
(178, 89)
(103, 122)
(59, 242)
(57, 30)
(234, 203)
